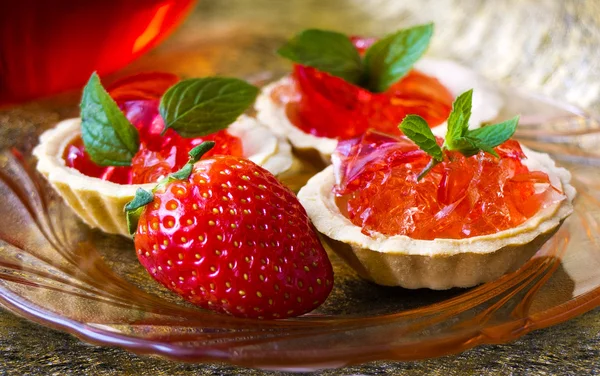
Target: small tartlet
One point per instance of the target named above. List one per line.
(100, 203)
(437, 264)
(487, 104)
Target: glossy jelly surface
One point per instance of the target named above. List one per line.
(378, 190)
(328, 106)
(158, 155)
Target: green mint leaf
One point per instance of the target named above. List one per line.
(109, 138)
(201, 106)
(466, 146)
(326, 51)
(432, 163)
(458, 121)
(416, 128)
(485, 147)
(390, 58)
(487, 138)
(494, 135)
(135, 207)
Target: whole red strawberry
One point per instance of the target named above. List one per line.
(226, 235)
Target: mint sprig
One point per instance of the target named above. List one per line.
(459, 137)
(108, 137)
(385, 62)
(193, 108)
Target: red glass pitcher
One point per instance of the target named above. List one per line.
(50, 46)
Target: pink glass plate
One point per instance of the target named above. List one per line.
(56, 271)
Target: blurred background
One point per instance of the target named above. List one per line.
(49, 46)
(542, 46)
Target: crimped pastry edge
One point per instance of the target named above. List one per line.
(100, 203)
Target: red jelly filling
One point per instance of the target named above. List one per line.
(138, 97)
(328, 106)
(377, 189)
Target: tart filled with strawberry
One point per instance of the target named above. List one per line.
(225, 234)
(142, 129)
(419, 211)
(341, 86)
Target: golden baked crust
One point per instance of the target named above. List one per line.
(100, 203)
(441, 263)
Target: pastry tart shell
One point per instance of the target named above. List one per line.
(435, 264)
(487, 104)
(100, 203)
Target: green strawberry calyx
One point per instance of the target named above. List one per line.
(134, 208)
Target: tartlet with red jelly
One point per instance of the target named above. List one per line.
(341, 86)
(420, 212)
(141, 130)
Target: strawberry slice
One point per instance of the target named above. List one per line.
(225, 234)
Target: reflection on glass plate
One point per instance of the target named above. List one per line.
(56, 271)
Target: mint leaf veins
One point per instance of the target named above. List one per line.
(326, 51)
(108, 137)
(201, 106)
(390, 58)
(416, 128)
(385, 62)
(458, 120)
(488, 137)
